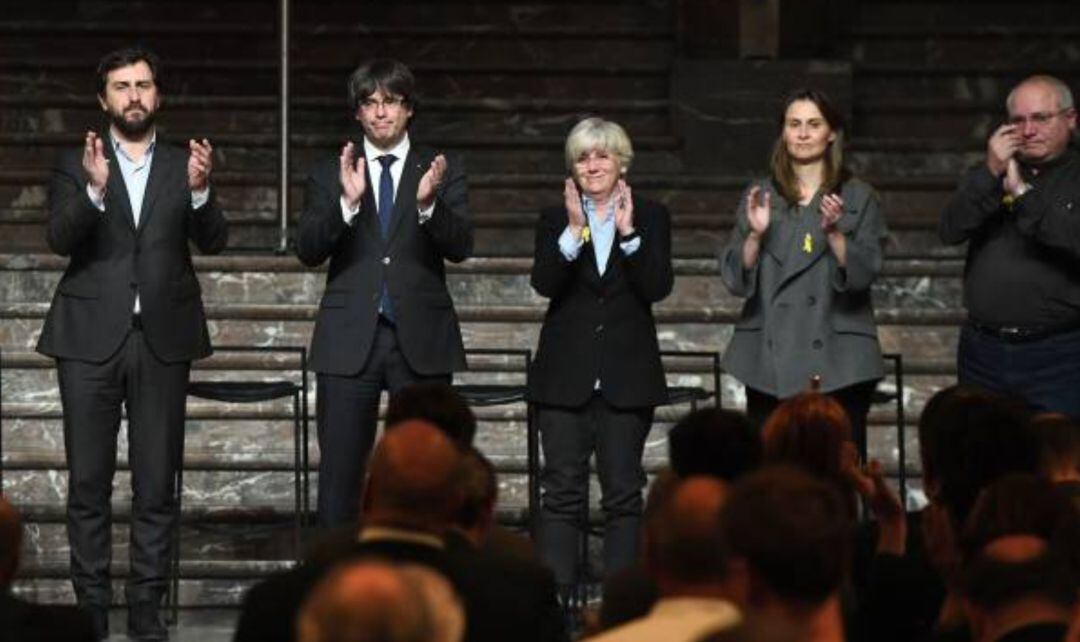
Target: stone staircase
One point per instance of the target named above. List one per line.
(501, 83)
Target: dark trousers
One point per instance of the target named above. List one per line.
(855, 399)
(569, 436)
(92, 394)
(1045, 372)
(348, 412)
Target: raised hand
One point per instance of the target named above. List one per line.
(624, 209)
(832, 208)
(758, 207)
(352, 176)
(575, 216)
(430, 181)
(1013, 183)
(1000, 148)
(200, 163)
(94, 162)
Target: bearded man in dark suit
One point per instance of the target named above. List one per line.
(125, 323)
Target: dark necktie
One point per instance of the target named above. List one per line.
(386, 193)
(386, 209)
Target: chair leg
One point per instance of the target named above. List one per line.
(298, 508)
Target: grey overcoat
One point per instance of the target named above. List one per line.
(805, 315)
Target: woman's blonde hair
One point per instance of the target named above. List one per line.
(599, 134)
(780, 164)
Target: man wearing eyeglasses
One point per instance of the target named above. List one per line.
(1020, 213)
(386, 213)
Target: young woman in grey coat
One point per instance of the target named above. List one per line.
(806, 247)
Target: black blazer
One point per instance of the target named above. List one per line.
(503, 599)
(601, 326)
(411, 260)
(110, 259)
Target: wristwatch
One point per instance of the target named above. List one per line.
(629, 237)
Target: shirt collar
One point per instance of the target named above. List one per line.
(400, 151)
(118, 150)
(390, 534)
(590, 207)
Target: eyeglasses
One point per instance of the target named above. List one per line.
(387, 103)
(1038, 119)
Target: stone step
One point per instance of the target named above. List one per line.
(963, 81)
(453, 43)
(418, 15)
(328, 115)
(961, 122)
(1006, 45)
(959, 17)
(502, 79)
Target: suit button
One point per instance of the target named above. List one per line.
(817, 344)
(600, 328)
(386, 260)
(810, 300)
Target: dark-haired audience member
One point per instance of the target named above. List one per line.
(1058, 440)
(21, 620)
(1021, 563)
(968, 438)
(1018, 589)
(365, 601)
(789, 540)
(714, 441)
(812, 432)
(686, 557)
(438, 403)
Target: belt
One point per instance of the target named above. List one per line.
(1020, 334)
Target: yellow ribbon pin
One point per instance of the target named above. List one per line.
(808, 243)
(585, 234)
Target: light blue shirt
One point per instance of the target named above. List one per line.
(602, 236)
(135, 173)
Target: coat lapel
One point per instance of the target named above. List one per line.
(369, 211)
(161, 166)
(116, 194)
(405, 198)
(805, 243)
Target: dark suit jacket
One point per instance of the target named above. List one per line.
(111, 259)
(601, 327)
(411, 260)
(503, 599)
(27, 622)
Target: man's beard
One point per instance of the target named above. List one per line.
(133, 128)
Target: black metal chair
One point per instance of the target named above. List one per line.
(254, 392)
(484, 395)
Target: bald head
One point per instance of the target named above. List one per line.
(364, 602)
(10, 542)
(684, 541)
(413, 478)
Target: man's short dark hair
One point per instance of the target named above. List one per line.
(125, 58)
(992, 583)
(390, 75)
(970, 437)
(793, 530)
(437, 403)
(716, 442)
(685, 537)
